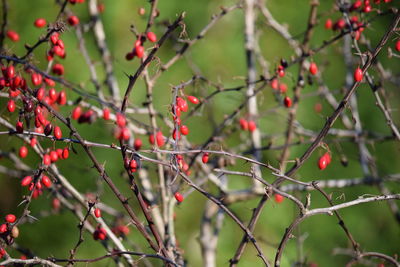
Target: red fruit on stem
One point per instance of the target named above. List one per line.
(182, 104)
(244, 125)
(184, 130)
(328, 24)
(65, 153)
(397, 46)
(106, 114)
(97, 212)
(57, 132)
(33, 141)
(279, 198)
(3, 229)
(139, 51)
(151, 139)
(274, 84)
(76, 113)
(121, 120)
(193, 99)
(73, 20)
(176, 135)
(137, 144)
(152, 37)
(46, 181)
(324, 161)
(46, 159)
(313, 68)
(178, 197)
(62, 98)
(125, 134)
(48, 129)
(53, 156)
(13, 36)
(58, 69)
(11, 218)
(252, 126)
(54, 38)
(19, 127)
(23, 152)
(205, 158)
(40, 23)
(282, 88)
(160, 139)
(358, 75)
(287, 101)
(26, 181)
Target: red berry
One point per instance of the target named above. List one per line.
(182, 104)
(367, 8)
(279, 198)
(318, 107)
(152, 37)
(137, 144)
(358, 75)
(36, 79)
(76, 113)
(59, 153)
(244, 124)
(121, 121)
(178, 197)
(57, 132)
(282, 88)
(324, 161)
(54, 38)
(397, 46)
(23, 151)
(160, 139)
(193, 99)
(62, 98)
(48, 129)
(252, 126)
(10, 218)
(205, 157)
(19, 127)
(56, 203)
(46, 181)
(14, 36)
(176, 135)
(97, 212)
(65, 153)
(33, 141)
(53, 156)
(313, 68)
(40, 23)
(274, 84)
(133, 164)
(26, 181)
(151, 139)
(40, 93)
(184, 130)
(46, 159)
(139, 51)
(3, 229)
(73, 20)
(106, 114)
(287, 101)
(58, 69)
(328, 24)
(125, 134)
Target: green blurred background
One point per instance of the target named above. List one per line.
(220, 57)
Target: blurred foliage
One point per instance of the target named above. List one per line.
(220, 57)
